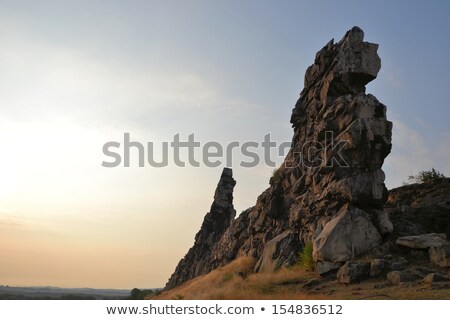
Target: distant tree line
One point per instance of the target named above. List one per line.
(138, 294)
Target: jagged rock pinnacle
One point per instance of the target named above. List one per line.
(215, 223)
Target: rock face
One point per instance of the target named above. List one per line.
(278, 252)
(330, 189)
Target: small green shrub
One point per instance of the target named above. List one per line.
(276, 176)
(426, 176)
(305, 257)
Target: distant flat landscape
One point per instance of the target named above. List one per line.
(56, 293)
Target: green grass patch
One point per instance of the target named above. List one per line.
(305, 258)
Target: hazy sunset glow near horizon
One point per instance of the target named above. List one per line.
(76, 74)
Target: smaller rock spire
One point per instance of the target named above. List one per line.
(215, 223)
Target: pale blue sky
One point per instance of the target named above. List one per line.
(75, 74)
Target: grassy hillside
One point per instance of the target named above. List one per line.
(237, 281)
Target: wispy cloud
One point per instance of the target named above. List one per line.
(413, 151)
(41, 80)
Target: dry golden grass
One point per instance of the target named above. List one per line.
(226, 283)
(237, 281)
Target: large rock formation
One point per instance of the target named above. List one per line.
(330, 189)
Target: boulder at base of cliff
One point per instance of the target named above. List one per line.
(350, 234)
(423, 241)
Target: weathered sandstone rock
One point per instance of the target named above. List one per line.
(423, 241)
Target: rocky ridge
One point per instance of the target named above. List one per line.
(329, 191)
